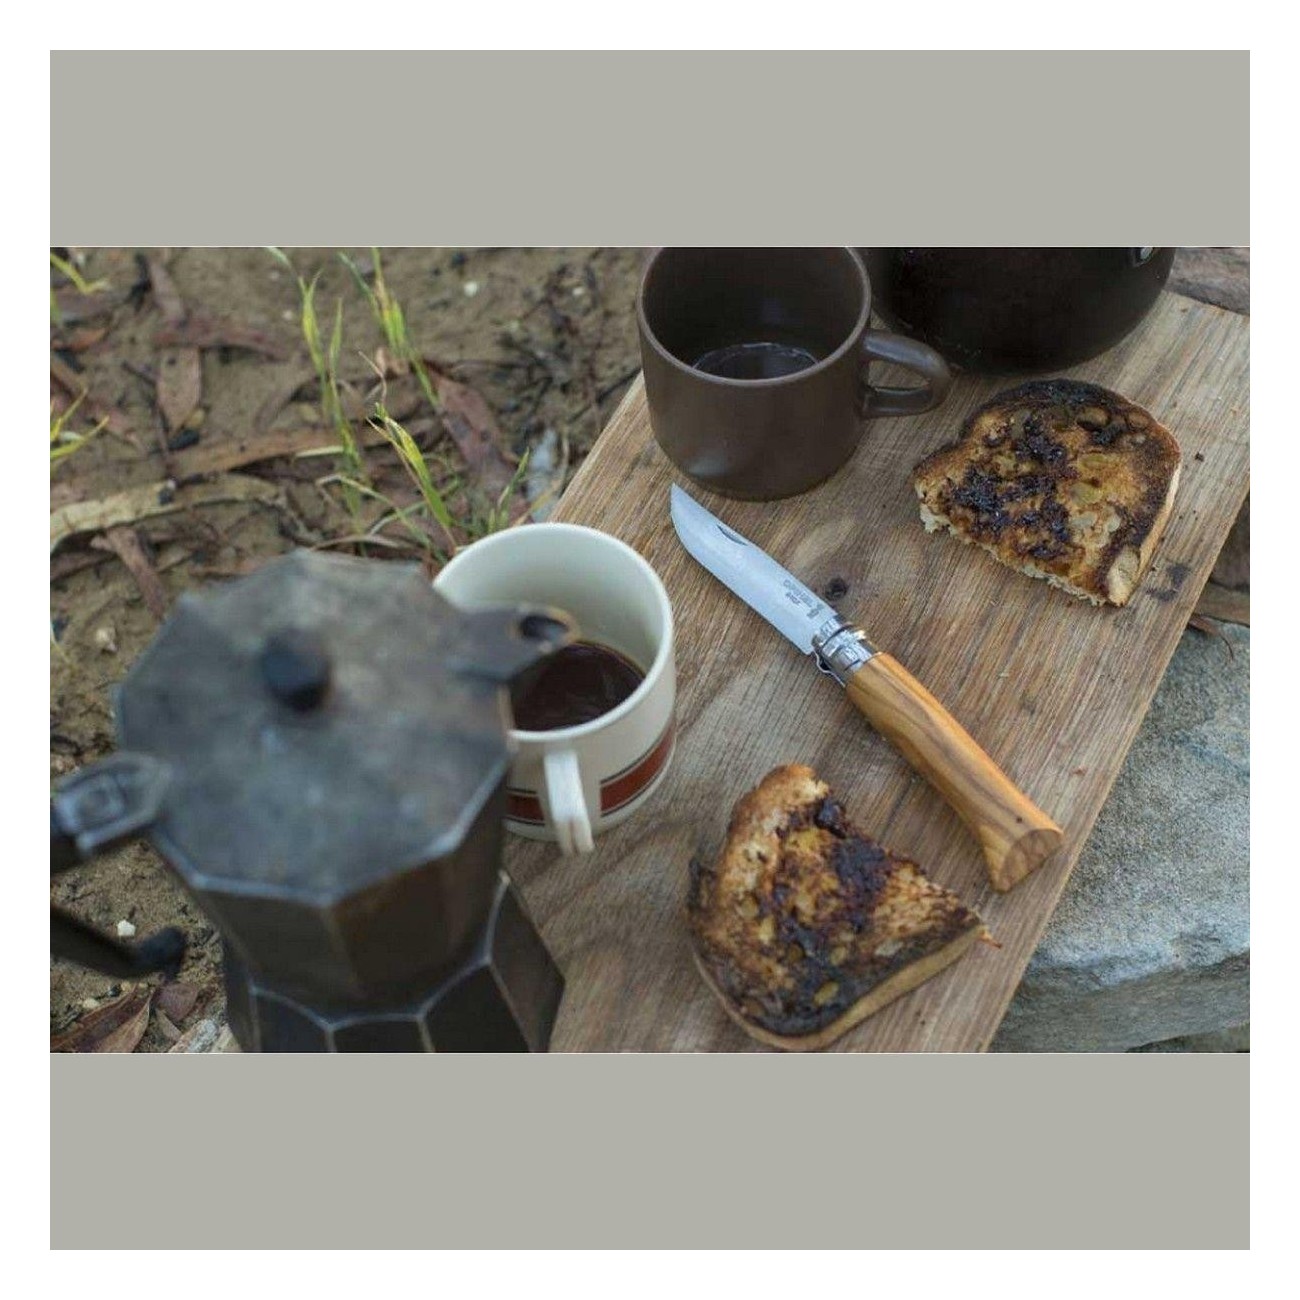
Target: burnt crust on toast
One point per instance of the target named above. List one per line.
(805, 926)
(1061, 479)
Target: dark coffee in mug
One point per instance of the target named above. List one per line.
(756, 360)
(577, 684)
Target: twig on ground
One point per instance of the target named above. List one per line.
(602, 394)
(1225, 604)
(146, 374)
(219, 456)
(365, 539)
(152, 499)
(126, 545)
(543, 387)
(81, 339)
(1211, 627)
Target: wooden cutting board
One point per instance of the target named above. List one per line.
(1053, 688)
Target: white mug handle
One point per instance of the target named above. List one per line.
(566, 804)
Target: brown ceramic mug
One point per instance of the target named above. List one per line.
(756, 365)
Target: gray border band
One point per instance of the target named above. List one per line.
(744, 1151)
(627, 147)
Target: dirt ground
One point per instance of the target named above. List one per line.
(546, 336)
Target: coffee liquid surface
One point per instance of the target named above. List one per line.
(756, 360)
(578, 684)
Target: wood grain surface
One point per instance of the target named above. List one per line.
(1053, 688)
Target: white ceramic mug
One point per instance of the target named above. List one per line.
(570, 784)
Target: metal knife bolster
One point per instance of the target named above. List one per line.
(840, 649)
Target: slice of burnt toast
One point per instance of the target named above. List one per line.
(1061, 480)
(805, 926)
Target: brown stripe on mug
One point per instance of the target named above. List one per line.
(615, 792)
(625, 786)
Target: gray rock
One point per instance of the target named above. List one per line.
(1223, 1040)
(1151, 940)
(542, 483)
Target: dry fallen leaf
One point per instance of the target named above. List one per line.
(165, 1026)
(117, 1026)
(200, 330)
(180, 385)
(165, 293)
(474, 429)
(176, 999)
(151, 499)
(180, 369)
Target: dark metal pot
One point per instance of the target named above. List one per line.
(1016, 310)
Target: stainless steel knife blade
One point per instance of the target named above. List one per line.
(768, 589)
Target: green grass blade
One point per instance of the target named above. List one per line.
(499, 515)
(398, 513)
(336, 338)
(416, 466)
(79, 281)
(63, 442)
(311, 326)
(283, 258)
(366, 291)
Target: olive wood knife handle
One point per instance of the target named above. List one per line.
(1014, 833)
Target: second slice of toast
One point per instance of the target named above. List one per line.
(805, 926)
(1062, 480)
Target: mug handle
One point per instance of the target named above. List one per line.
(566, 804)
(881, 345)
